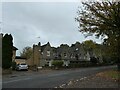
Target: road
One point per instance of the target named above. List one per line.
(51, 79)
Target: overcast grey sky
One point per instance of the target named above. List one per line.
(52, 22)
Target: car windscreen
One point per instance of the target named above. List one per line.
(23, 64)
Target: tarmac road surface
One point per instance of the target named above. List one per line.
(51, 79)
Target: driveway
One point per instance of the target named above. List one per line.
(50, 79)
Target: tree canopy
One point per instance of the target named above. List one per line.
(89, 44)
(102, 19)
(26, 52)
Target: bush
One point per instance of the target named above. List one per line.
(81, 64)
(57, 63)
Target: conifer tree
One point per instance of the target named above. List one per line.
(7, 47)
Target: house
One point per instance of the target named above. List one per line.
(64, 54)
(19, 59)
(43, 55)
(63, 51)
(14, 53)
(13, 50)
(47, 54)
(78, 53)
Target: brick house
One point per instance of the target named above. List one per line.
(19, 59)
(14, 53)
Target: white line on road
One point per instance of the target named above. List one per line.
(83, 78)
(16, 80)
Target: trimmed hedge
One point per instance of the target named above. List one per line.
(82, 64)
(57, 63)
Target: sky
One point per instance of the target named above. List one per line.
(33, 22)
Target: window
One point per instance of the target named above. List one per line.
(56, 55)
(65, 55)
(71, 55)
(48, 53)
(76, 49)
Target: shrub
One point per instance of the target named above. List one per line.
(13, 65)
(81, 64)
(57, 63)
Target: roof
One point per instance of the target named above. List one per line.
(19, 57)
(54, 49)
(43, 47)
(14, 48)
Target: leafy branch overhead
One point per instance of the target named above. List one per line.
(101, 19)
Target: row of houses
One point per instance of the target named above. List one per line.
(45, 54)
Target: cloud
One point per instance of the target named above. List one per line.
(53, 22)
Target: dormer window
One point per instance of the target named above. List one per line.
(48, 53)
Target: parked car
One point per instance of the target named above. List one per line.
(22, 66)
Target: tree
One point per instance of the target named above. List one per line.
(26, 52)
(89, 44)
(7, 49)
(93, 49)
(103, 20)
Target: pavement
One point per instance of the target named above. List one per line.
(54, 79)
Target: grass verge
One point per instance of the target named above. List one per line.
(111, 74)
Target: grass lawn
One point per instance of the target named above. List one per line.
(111, 74)
(114, 74)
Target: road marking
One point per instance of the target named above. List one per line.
(16, 80)
(83, 78)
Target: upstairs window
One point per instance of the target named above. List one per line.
(76, 49)
(65, 54)
(71, 56)
(48, 53)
